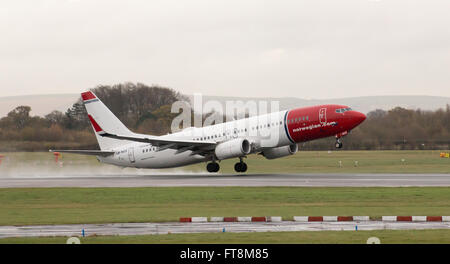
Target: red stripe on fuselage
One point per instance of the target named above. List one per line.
(309, 123)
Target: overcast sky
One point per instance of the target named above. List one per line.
(307, 49)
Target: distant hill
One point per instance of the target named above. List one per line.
(363, 104)
(44, 104)
(40, 104)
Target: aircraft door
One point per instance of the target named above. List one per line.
(323, 116)
(131, 155)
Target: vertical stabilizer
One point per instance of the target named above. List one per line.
(103, 119)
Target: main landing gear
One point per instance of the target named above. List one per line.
(240, 166)
(213, 167)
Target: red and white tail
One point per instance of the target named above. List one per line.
(102, 119)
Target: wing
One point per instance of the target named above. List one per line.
(198, 147)
(102, 153)
(180, 145)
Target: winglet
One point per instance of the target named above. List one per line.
(97, 128)
(88, 96)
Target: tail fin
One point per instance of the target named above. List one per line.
(103, 119)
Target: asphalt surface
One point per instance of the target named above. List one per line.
(165, 228)
(323, 180)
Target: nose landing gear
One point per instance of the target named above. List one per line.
(240, 166)
(338, 143)
(338, 138)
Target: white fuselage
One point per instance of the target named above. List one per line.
(262, 131)
(273, 135)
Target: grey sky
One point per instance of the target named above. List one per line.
(308, 49)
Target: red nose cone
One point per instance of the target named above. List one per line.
(360, 117)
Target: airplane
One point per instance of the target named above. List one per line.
(273, 135)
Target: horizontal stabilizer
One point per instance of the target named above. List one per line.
(86, 152)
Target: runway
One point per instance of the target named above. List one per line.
(165, 228)
(183, 180)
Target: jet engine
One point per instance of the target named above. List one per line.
(234, 148)
(275, 153)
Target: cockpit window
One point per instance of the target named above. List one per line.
(342, 110)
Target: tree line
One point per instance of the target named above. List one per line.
(147, 109)
(396, 129)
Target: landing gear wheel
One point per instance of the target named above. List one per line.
(237, 167)
(244, 167)
(212, 167)
(338, 144)
(240, 167)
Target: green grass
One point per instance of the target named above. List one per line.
(304, 237)
(27, 206)
(427, 161)
(367, 162)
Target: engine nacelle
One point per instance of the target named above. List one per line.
(234, 148)
(279, 152)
